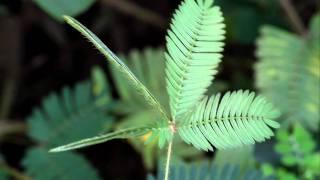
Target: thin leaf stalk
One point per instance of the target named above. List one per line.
(167, 168)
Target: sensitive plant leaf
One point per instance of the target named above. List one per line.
(69, 117)
(58, 8)
(238, 118)
(120, 134)
(205, 170)
(287, 73)
(115, 61)
(194, 46)
(41, 165)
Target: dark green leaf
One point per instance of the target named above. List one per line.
(41, 165)
(58, 8)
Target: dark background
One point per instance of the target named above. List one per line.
(39, 54)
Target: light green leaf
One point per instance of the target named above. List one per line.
(115, 61)
(58, 8)
(194, 46)
(41, 165)
(238, 118)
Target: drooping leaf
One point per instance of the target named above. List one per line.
(71, 116)
(238, 118)
(41, 165)
(58, 8)
(193, 52)
(115, 61)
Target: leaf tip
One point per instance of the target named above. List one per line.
(57, 149)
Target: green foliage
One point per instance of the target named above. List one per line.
(212, 171)
(57, 8)
(288, 73)
(297, 149)
(41, 165)
(280, 173)
(137, 111)
(193, 54)
(63, 118)
(238, 118)
(75, 114)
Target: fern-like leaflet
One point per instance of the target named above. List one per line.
(193, 53)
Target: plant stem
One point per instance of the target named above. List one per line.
(13, 172)
(293, 16)
(11, 127)
(130, 8)
(169, 152)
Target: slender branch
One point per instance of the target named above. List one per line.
(167, 169)
(12, 127)
(136, 11)
(14, 172)
(9, 59)
(293, 16)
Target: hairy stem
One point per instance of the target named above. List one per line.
(169, 152)
(293, 16)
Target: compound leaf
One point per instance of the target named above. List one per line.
(193, 53)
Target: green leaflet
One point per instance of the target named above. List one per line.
(41, 165)
(238, 118)
(115, 61)
(120, 134)
(194, 46)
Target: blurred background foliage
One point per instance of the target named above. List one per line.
(55, 89)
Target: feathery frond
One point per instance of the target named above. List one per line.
(236, 119)
(288, 74)
(193, 53)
